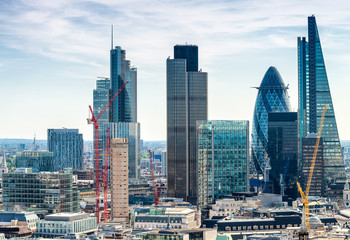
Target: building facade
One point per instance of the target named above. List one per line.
(60, 225)
(119, 180)
(223, 159)
(308, 148)
(314, 93)
(38, 161)
(50, 191)
(67, 146)
(124, 107)
(272, 97)
(282, 151)
(187, 102)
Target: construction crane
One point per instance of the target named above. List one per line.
(156, 191)
(105, 180)
(305, 195)
(93, 120)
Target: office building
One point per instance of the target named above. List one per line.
(121, 116)
(314, 94)
(282, 151)
(187, 102)
(67, 146)
(173, 218)
(50, 191)
(28, 219)
(130, 131)
(124, 107)
(272, 97)
(308, 148)
(223, 159)
(119, 180)
(38, 161)
(101, 96)
(61, 225)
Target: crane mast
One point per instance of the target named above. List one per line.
(94, 120)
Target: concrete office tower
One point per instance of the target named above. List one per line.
(124, 107)
(314, 94)
(272, 97)
(223, 159)
(187, 102)
(282, 150)
(67, 146)
(38, 161)
(130, 131)
(308, 147)
(119, 180)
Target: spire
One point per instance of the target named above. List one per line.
(111, 36)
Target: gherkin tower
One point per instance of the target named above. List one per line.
(272, 97)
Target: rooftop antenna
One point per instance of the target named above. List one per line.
(111, 36)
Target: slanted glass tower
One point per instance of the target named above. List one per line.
(272, 97)
(314, 94)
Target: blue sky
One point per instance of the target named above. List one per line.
(51, 53)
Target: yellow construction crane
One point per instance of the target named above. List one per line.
(305, 195)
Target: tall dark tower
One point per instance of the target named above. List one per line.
(314, 94)
(187, 102)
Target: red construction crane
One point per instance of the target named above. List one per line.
(105, 180)
(156, 192)
(93, 120)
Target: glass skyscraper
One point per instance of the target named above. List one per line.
(124, 107)
(67, 146)
(121, 117)
(38, 161)
(223, 159)
(314, 94)
(272, 97)
(282, 150)
(187, 102)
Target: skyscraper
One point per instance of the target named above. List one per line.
(282, 150)
(223, 159)
(121, 117)
(124, 107)
(67, 146)
(119, 180)
(314, 94)
(187, 96)
(272, 97)
(308, 147)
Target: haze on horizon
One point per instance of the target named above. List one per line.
(51, 53)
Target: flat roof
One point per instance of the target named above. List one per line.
(66, 216)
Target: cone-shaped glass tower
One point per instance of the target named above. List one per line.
(272, 97)
(314, 94)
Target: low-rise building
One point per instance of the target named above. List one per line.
(51, 191)
(178, 234)
(61, 224)
(162, 218)
(22, 218)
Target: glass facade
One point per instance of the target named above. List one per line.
(223, 159)
(272, 97)
(67, 146)
(282, 151)
(124, 107)
(53, 192)
(38, 161)
(187, 102)
(314, 94)
(101, 97)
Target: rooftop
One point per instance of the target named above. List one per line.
(66, 216)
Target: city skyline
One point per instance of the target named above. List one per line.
(53, 52)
